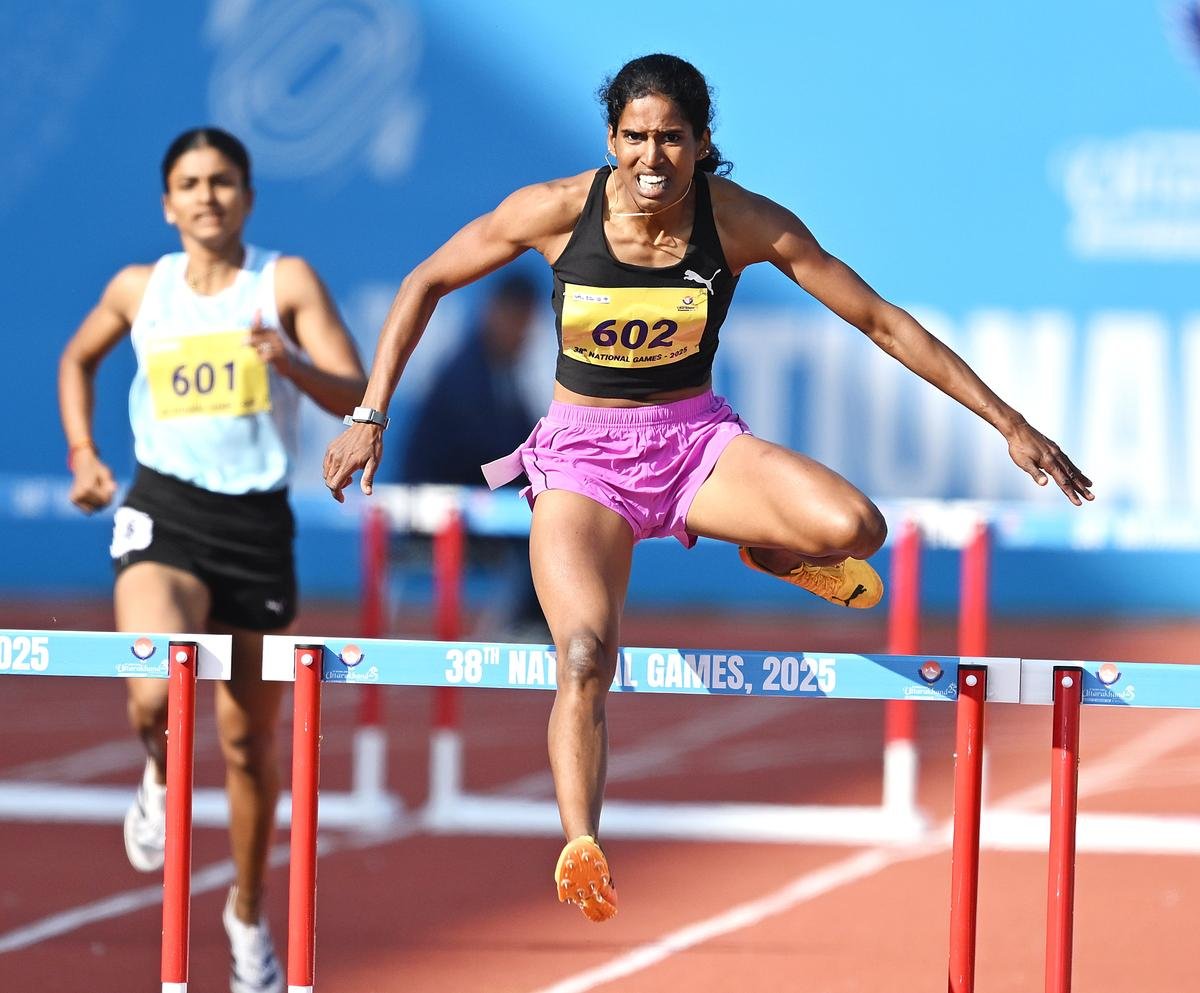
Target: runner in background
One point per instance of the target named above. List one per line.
(228, 338)
(646, 253)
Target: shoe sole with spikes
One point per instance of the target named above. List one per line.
(582, 878)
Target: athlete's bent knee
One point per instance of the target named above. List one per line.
(584, 663)
(858, 529)
(252, 754)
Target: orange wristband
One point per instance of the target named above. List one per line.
(79, 446)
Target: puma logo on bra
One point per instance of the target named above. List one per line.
(696, 277)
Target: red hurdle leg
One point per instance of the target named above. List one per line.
(302, 881)
(968, 795)
(973, 593)
(177, 865)
(1064, 806)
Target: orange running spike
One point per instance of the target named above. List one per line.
(582, 878)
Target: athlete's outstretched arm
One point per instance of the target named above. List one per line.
(765, 231)
(526, 219)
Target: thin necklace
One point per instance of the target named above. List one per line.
(195, 281)
(650, 213)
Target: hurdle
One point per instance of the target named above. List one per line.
(367, 804)
(179, 658)
(968, 682)
(974, 530)
(448, 514)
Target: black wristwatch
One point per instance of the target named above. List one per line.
(367, 415)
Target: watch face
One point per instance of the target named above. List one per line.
(369, 415)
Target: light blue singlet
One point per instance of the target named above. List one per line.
(223, 453)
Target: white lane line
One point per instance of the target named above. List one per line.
(217, 876)
(1122, 761)
(209, 878)
(800, 890)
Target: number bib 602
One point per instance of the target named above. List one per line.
(632, 326)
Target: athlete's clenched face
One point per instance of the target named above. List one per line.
(207, 198)
(656, 152)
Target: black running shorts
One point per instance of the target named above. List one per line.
(239, 546)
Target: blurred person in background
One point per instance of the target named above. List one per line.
(646, 253)
(474, 408)
(228, 338)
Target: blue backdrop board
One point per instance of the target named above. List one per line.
(1024, 177)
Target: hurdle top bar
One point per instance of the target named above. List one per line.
(1117, 684)
(120, 653)
(713, 672)
(727, 672)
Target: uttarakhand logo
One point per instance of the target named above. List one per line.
(351, 655)
(143, 648)
(1108, 673)
(930, 671)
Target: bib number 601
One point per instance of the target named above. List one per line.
(202, 379)
(24, 653)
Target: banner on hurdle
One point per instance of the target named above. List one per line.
(378, 662)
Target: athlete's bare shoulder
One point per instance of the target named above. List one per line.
(543, 215)
(749, 224)
(293, 272)
(123, 295)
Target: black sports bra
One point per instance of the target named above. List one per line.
(633, 331)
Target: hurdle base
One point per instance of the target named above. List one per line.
(749, 822)
(107, 805)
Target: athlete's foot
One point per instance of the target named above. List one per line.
(849, 583)
(582, 878)
(146, 824)
(254, 966)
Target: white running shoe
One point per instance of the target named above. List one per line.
(146, 824)
(255, 968)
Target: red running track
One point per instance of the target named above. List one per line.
(424, 914)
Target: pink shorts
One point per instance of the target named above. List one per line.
(645, 463)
